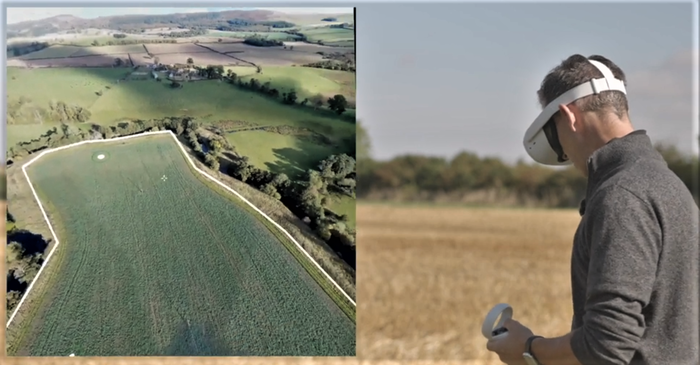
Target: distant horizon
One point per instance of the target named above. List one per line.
(17, 15)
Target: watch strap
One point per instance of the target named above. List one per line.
(528, 346)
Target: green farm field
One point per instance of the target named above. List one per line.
(208, 101)
(279, 153)
(331, 36)
(70, 85)
(55, 51)
(153, 266)
(307, 81)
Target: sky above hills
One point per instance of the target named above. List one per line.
(16, 15)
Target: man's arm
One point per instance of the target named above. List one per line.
(626, 242)
(554, 351)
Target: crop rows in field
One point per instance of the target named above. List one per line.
(158, 264)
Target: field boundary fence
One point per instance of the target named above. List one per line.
(192, 164)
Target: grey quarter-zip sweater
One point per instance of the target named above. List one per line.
(634, 265)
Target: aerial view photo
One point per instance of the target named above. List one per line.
(180, 182)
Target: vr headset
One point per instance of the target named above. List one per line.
(541, 140)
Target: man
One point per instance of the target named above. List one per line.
(635, 258)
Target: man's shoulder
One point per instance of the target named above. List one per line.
(650, 180)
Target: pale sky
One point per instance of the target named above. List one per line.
(16, 15)
(441, 78)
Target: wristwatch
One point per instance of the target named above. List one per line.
(529, 357)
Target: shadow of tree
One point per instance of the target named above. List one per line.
(290, 161)
(31, 242)
(14, 284)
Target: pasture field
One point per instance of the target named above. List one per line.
(70, 85)
(166, 266)
(208, 101)
(430, 274)
(242, 71)
(203, 57)
(168, 48)
(309, 81)
(85, 61)
(110, 50)
(269, 56)
(279, 153)
(55, 51)
(330, 36)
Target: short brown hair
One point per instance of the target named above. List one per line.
(576, 70)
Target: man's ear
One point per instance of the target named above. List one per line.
(568, 116)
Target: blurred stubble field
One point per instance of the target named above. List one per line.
(427, 276)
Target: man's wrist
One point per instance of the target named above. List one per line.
(529, 347)
(534, 346)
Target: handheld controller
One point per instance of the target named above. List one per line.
(492, 328)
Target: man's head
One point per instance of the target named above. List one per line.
(588, 123)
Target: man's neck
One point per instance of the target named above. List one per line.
(604, 131)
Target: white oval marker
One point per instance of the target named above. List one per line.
(494, 320)
(100, 157)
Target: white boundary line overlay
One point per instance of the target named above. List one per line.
(189, 159)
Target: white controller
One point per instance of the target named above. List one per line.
(493, 324)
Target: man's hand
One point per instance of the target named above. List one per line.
(510, 347)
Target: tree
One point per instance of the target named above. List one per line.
(13, 298)
(316, 101)
(270, 190)
(13, 253)
(337, 166)
(281, 181)
(216, 147)
(290, 97)
(212, 161)
(364, 145)
(190, 61)
(338, 104)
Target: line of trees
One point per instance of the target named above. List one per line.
(259, 41)
(332, 65)
(21, 110)
(194, 32)
(20, 49)
(238, 24)
(123, 42)
(474, 179)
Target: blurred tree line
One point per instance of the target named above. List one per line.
(471, 179)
